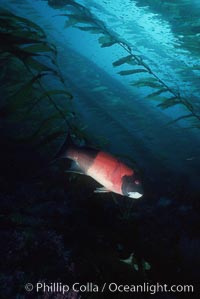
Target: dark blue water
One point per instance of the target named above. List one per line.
(133, 70)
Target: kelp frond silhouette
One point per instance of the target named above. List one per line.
(185, 19)
(79, 16)
(28, 62)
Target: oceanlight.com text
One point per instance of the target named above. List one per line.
(112, 287)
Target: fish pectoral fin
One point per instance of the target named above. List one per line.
(75, 168)
(101, 190)
(73, 171)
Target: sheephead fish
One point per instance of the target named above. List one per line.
(111, 173)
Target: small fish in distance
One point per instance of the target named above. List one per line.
(111, 173)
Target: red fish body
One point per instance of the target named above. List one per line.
(108, 171)
(111, 173)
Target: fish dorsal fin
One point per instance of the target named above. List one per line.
(75, 168)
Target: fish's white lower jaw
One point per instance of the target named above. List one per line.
(134, 195)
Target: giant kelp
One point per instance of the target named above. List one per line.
(79, 16)
(183, 16)
(38, 112)
(54, 231)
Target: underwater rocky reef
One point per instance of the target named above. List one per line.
(54, 228)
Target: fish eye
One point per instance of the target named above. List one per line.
(137, 182)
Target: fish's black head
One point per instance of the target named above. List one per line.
(132, 187)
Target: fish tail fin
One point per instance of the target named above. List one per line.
(63, 151)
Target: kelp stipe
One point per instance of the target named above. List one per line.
(28, 62)
(79, 16)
